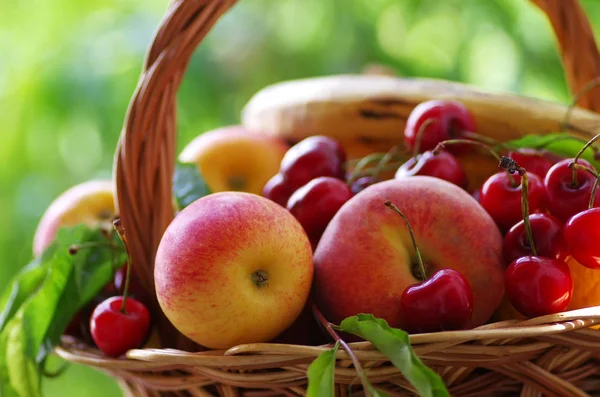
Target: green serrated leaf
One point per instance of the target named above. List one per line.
(188, 184)
(559, 143)
(321, 374)
(42, 300)
(394, 343)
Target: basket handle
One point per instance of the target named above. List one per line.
(145, 156)
(578, 49)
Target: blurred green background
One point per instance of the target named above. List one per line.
(68, 69)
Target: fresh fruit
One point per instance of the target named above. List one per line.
(582, 234)
(278, 190)
(114, 330)
(536, 286)
(586, 285)
(501, 198)
(90, 203)
(443, 165)
(365, 259)
(445, 120)
(233, 268)
(444, 302)
(548, 238)
(315, 204)
(534, 161)
(311, 158)
(568, 196)
(233, 159)
(366, 112)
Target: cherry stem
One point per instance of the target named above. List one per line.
(121, 232)
(575, 167)
(389, 204)
(384, 161)
(357, 172)
(481, 138)
(511, 166)
(575, 182)
(331, 331)
(595, 82)
(442, 145)
(420, 133)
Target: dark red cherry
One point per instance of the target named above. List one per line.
(443, 166)
(534, 161)
(311, 158)
(536, 286)
(448, 120)
(548, 238)
(442, 303)
(502, 199)
(566, 197)
(582, 233)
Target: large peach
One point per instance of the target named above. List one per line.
(233, 159)
(90, 203)
(233, 268)
(365, 259)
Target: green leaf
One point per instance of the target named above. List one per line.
(188, 184)
(559, 143)
(6, 390)
(321, 374)
(394, 343)
(44, 297)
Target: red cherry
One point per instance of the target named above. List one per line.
(277, 189)
(534, 161)
(502, 200)
(315, 204)
(536, 286)
(548, 238)
(443, 302)
(115, 332)
(564, 198)
(582, 233)
(450, 119)
(311, 158)
(443, 166)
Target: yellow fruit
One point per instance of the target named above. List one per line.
(586, 285)
(232, 159)
(90, 203)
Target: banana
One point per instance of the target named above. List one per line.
(367, 112)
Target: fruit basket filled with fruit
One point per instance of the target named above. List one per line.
(372, 235)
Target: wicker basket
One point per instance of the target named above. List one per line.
(556, 355)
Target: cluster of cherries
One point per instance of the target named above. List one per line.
(544, 205)
(311, 183)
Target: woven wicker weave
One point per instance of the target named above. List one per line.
(554, 355)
